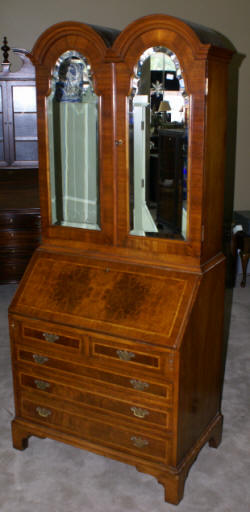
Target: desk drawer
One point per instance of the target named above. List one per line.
(17, 220)
(47, 337)
(51, 335)
(19, 238)
(133, 384)
(120, 438)
(89, 402)
(12, 271)
(100, 351)
(127, 354)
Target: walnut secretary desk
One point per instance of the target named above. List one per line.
(116, 327)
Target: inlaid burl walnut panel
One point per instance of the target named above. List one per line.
(120, 301)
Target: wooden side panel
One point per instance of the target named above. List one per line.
(201, 361)
(215, 146)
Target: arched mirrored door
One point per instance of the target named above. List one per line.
(158, 147)
(72, 113)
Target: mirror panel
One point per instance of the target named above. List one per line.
(72, 114)
(158, 110)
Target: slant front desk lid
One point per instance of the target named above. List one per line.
(124, 300)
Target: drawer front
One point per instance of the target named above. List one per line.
(12, 271)
(93, 403)
(126, 440)
(15, 254)
(17, 220)
(138, 386)
(50, 335)
(121, 353)
(19, 238)
(97, 351)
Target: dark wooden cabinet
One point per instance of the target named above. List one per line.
(117, 326)
(18, 114)
(20, 221)
(19, 196)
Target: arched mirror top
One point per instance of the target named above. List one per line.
(161, 59)
(72, 77)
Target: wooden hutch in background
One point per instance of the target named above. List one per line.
(19, 196)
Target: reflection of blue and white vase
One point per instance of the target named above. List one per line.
(72, 76)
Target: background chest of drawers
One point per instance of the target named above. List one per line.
(19, 222)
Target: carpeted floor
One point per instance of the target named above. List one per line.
(53, 477)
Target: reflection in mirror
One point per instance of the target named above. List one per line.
(72, 112)
(158, 134)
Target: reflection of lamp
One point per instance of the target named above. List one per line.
(164, 107)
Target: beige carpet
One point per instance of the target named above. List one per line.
(53, 477)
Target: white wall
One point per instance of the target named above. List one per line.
(22, 22)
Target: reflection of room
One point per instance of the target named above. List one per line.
(72, 109)
(159, 132)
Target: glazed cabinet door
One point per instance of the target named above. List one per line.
(74, 85)
(160, 121)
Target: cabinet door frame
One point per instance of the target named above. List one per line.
(11, 122)
(5, 115)
(25, 76)
(53, 43)
(153, 31)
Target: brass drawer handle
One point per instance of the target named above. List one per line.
(50, 337)
(43, 412)
(41, 384)
(40, 359)
(138, 412)
(139, 385)
(124, 355)
(139, 442)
